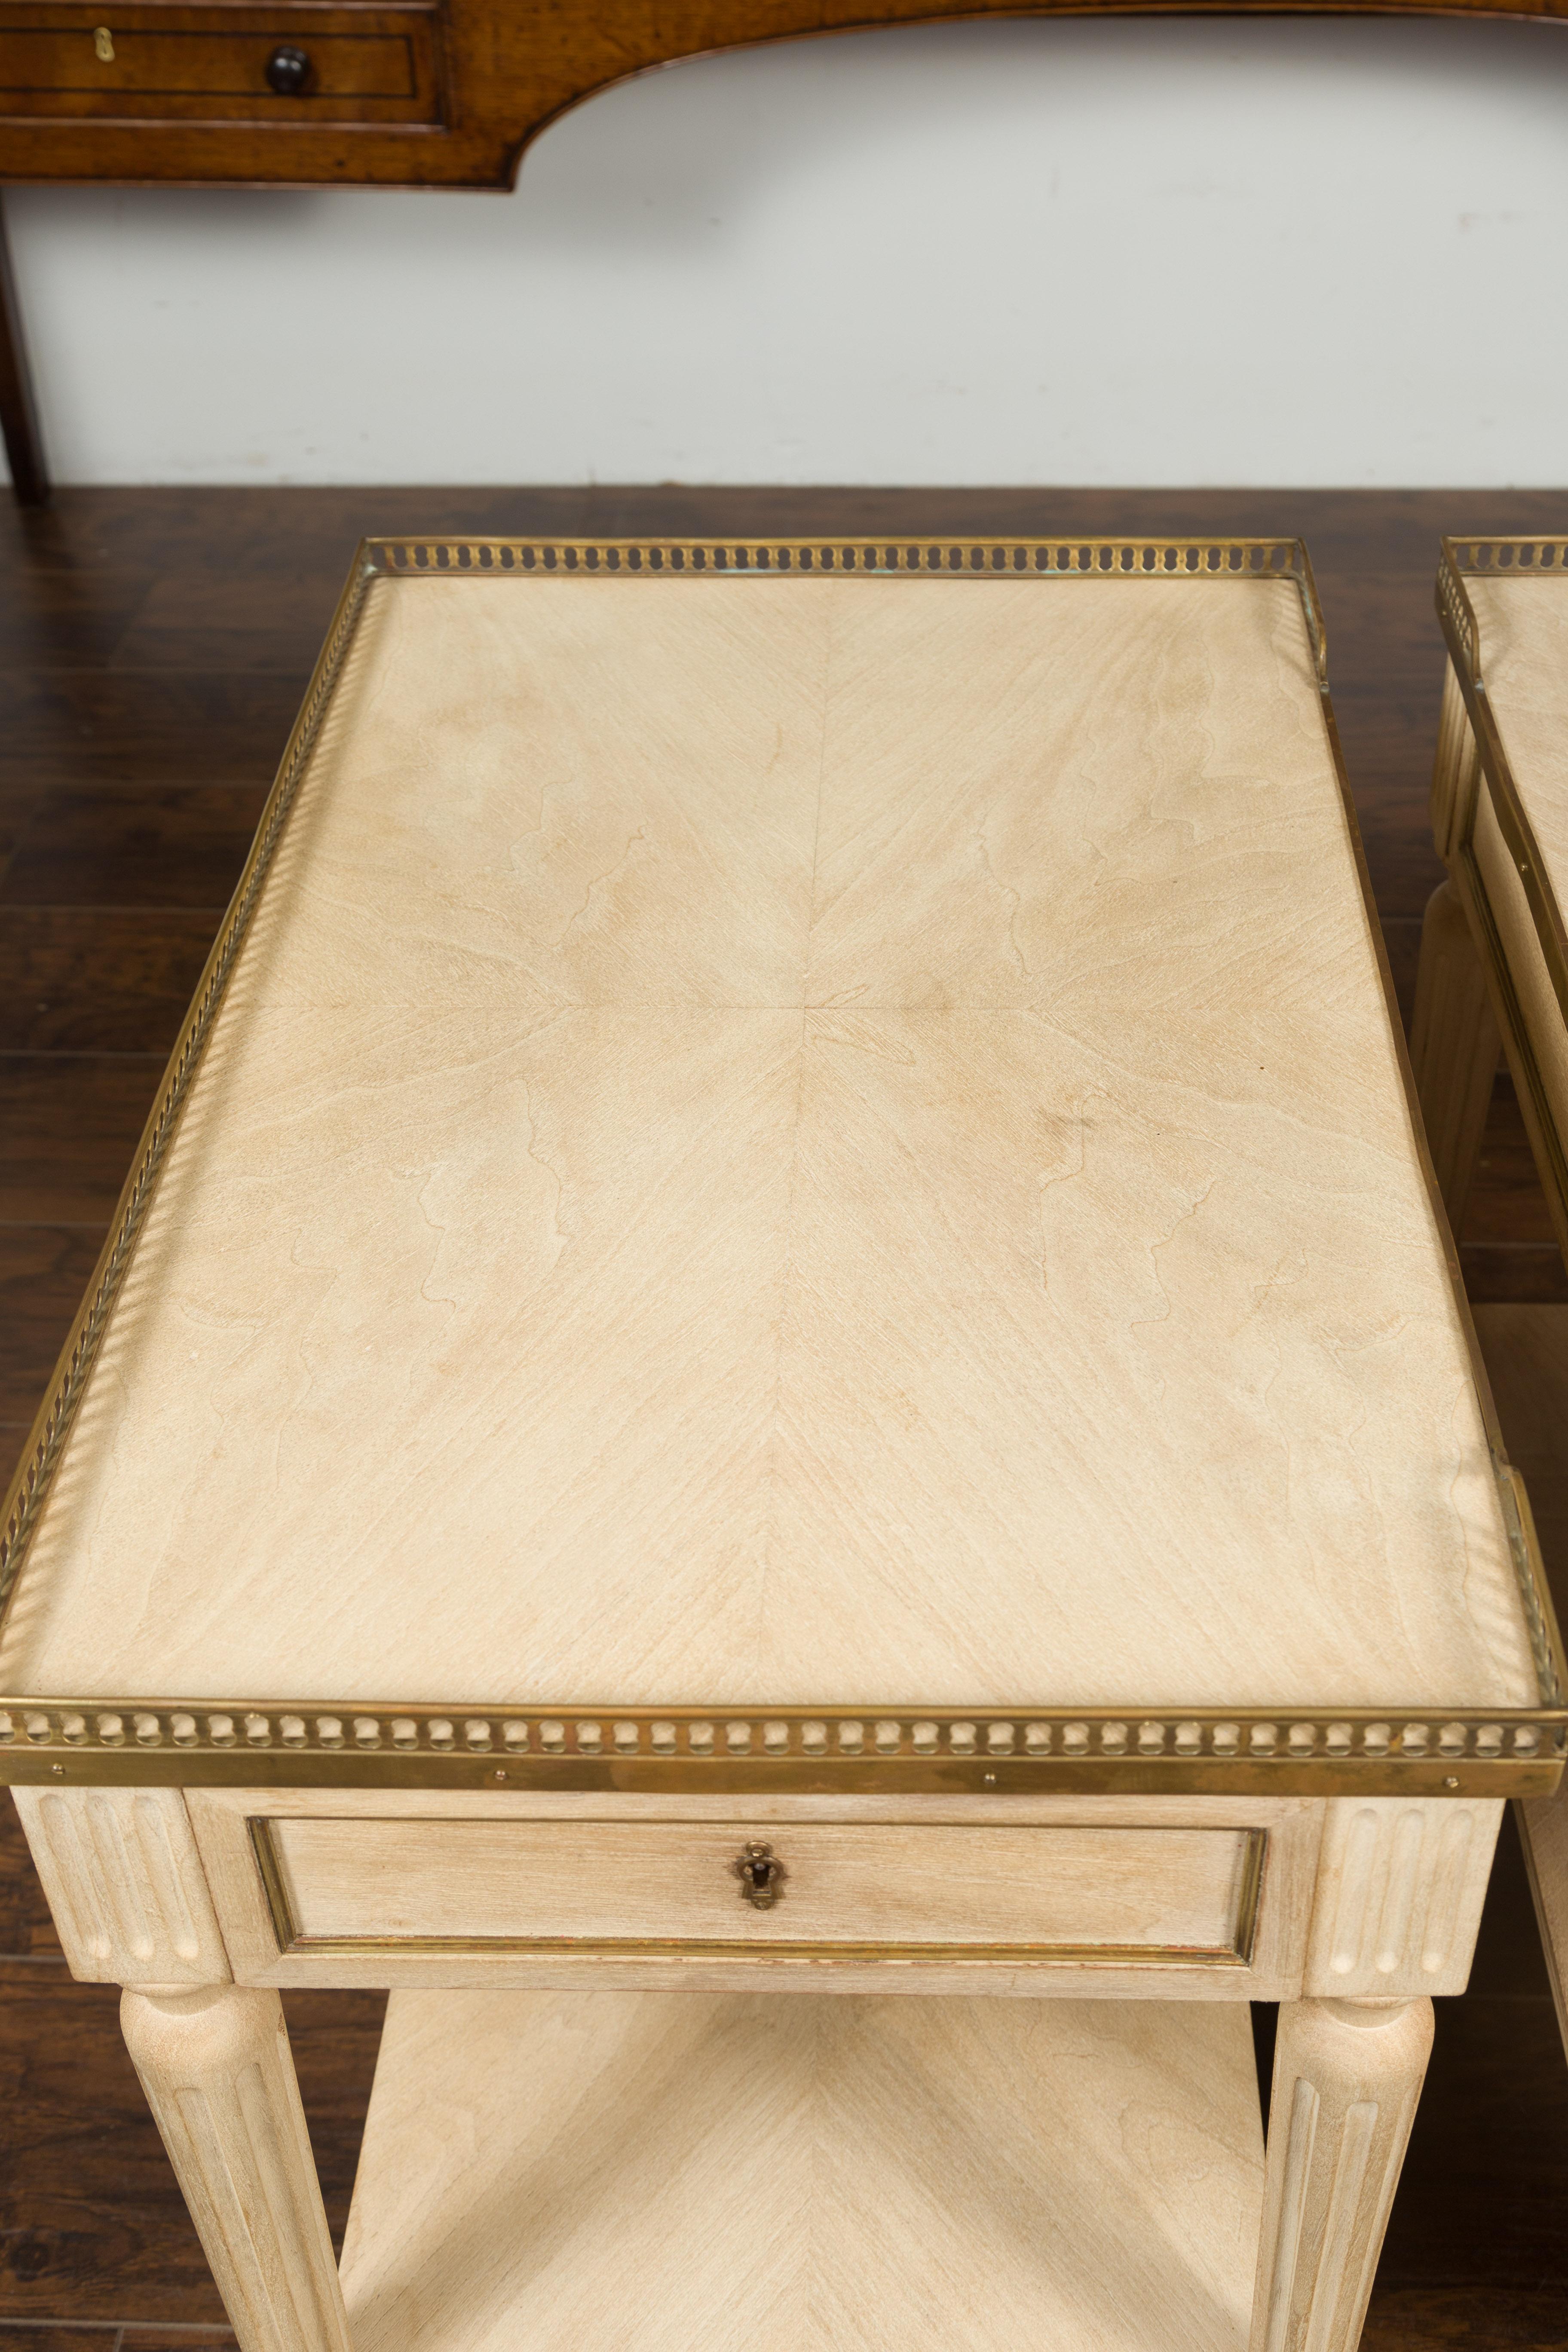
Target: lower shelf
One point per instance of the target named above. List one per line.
(689, 2172)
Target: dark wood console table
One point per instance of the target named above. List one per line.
(387, 93)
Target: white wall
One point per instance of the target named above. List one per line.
(1147, 252)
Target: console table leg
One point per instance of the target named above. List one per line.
(219, 2077)
(19, 407)
(1454, 1045)
(1347, 2076)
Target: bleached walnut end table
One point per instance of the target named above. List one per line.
(779, 1418)
(1494, 977)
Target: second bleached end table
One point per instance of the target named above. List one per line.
(1494, 975)
(779, 1420)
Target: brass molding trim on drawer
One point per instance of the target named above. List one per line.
(271, 1867)
(1207, 1900)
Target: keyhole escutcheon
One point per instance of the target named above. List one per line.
(760, 1874)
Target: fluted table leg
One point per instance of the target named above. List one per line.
(1347, 2076)
(219, 2077)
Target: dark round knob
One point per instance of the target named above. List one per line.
(288, 70)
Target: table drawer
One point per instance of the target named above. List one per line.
(731, 1888)
(1139, 1897)
(160, 63)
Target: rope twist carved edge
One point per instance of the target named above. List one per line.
(30, 1488)
(1233, 558)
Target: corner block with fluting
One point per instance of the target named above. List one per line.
(125, 1885)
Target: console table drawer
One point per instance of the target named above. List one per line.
(279, 66)
(380, 1889)
(611, 1886)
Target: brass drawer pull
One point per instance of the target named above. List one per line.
(761, 1874)
(103, 45)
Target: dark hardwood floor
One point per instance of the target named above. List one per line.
(153, 645)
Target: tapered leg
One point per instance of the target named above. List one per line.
(1454, 1045)
(1347, 2076)
(219, 2078)
(1543, 1830)
(18, 404)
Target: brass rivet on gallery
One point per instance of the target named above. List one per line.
(1450, 1781)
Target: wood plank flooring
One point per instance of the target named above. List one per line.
(153, 646)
